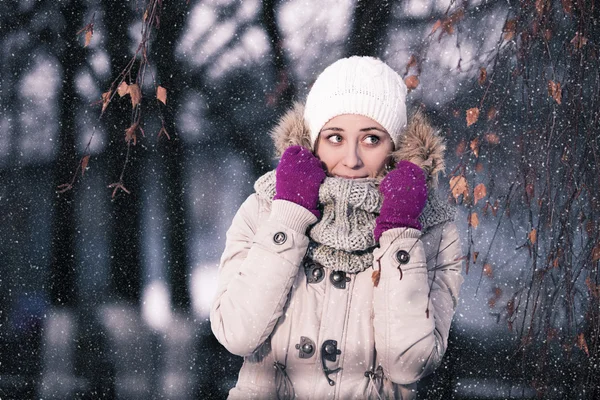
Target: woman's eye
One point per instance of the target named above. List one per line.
(372, 139)
(334, 138)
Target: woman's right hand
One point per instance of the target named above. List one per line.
(298, 178)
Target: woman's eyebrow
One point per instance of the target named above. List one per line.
(333, 128)
(373, 128)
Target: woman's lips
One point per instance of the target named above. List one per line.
(351, 177)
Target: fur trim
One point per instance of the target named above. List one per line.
(420, 144)
(291, 130)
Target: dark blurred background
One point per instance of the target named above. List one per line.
(106, 296)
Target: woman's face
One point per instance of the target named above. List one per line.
(353, 146)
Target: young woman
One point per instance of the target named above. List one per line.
(341, 274)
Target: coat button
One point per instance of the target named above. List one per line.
(306, 347)
(339, 279)
(279, 238)
(314, 272)
(402, 257)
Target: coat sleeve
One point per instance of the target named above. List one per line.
(256, 271)
(414, 306)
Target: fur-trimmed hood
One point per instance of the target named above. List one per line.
(420, 144)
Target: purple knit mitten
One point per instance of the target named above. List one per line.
(298, 178)
(404, 192)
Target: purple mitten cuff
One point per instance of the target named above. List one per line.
(404, 193)
(298, 178)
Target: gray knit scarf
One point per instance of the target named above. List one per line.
(342, 240)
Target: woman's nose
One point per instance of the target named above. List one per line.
(352, 157)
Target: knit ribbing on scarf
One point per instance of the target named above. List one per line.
(342, 240)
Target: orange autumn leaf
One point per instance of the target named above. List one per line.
(578, 41)
(533, 236)
(596, 253)
(161, 94)
(375, 276)
(480, 192)
(88, 37)
(475, 146)
(492, 138)
(84, 163)
(436, 26)
(474, 220)
(482, 75)
(582, 344)
(411, 82)
(460, 148)
(472, 115)
(123, 89)
(488, 271)
(555, 91)
(135, 93)
(130, 133)
(105, 100)
(412, 62)
(510, 27)
(459, 186)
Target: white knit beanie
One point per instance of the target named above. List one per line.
(357, 85)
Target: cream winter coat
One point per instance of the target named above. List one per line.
(322, 335)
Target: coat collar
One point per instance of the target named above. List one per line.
(421, 144)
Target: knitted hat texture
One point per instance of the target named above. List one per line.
(358, 85)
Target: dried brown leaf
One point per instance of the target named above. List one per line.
(509, 30)
(480, 192)
(474, 220)
(540, 6)
(84, 163)
(488, 271)
(375, 276)
(123, 89)
(412, 62)
(579, 41)
(475, 256)
(135, 93)
(88, 37)
(436, 26)
(474, 145)
(533, 236)
(472, 115)
(479, 168)
(105, 100)
(495, 208)
(130, 133)
(582, 344)
(161, 94)
(492, 138)
(411, 82)
(567, 6)
(460, 148)
(491, 114)
(555, 91)
(596, 253)
(459, 186)
(482, 75)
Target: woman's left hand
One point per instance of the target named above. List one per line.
(404, 191)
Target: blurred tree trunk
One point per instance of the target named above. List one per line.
(170, 76)
(369, 34)
(125, 269)
(63, 278)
